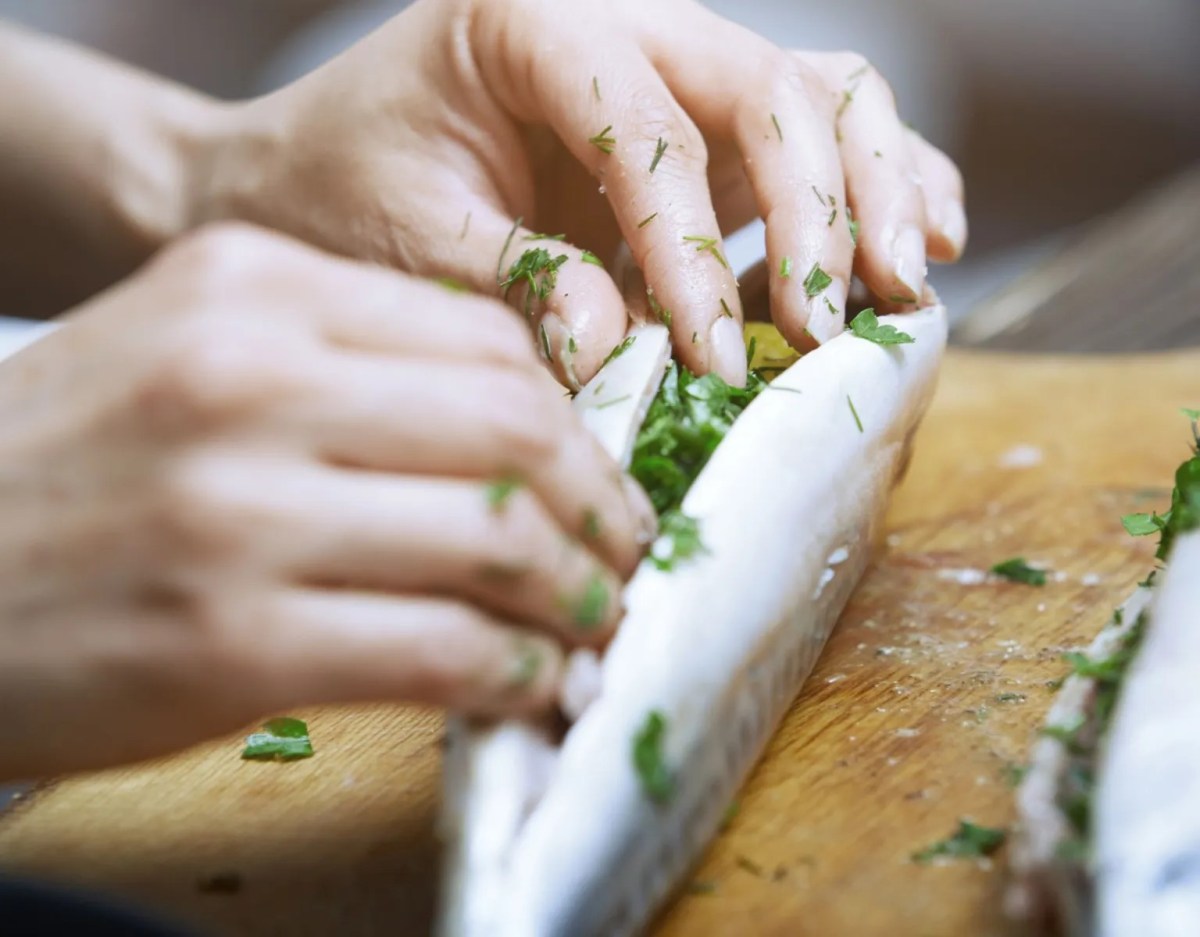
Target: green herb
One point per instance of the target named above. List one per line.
(545, 342)
(499, 492)
(857, 421)
(645, 221)
(648, 759)
(832, 217)
(853, 226)
(537, 236)
(731, 812)
(778, 129)
(604, 141)
(820, 197)
(816, 281)
(1017, 570)
(589, 611)
(453, 285)
(709, 244)
(831, 307)
(859, 72)
(1193, 415)
(526, 664)
(1014, 774)
(678, 540)
(661, 312)
(725, 310)
(1067, 735)
(866, 325)
(512, 232)
(596, 87)
(572, 345)
(538, 270)
(785, 267)
(589, 258)
(969, 841)
(750, 349)
(878, 154)
(1010, 697)
(687, 419)
(466, 226)
(1142, 525)
(749, 865)
(282, 739)
(620, 349)
(702, 888)
(613, 402)
(1184, 513)
(658, 154)
(902, 300)
(695, 338)
(591, 524)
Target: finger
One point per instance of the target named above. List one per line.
(778, 113)
(491, 544)
(882, 180)
(344, 646)
(563, 292)
(942, 185)
(481, 423)
(613, 112)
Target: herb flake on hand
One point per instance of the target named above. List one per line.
(282, 739)
(866, 325)
(678, 540)
(658, 154)
(538, 271)
(589, 258)
(620, 349)
(817, 281)
(785, 268)
(648, 760)
(704, 243)
(604, 141)
(589, 610)
(1017, 570)
(778, 129)
(500, 492)
(645, 221)
(969, 841)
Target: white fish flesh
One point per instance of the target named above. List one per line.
(554, 836)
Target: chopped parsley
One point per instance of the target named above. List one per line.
(589, 258)
(778, 129)
(596, 87)
(661, 312)
(658, 154)
(866, 325)
(709, 244)
(853, 226)
(1142, 525)
(620, 349)
(831, 307)
(545, 342)
(816, 281)
(453, 285)
(725, 310)
(500, 492)
(785, 267)
(645, 221)
(538, 271)
(589, 610)
(969, 841)
(282, 739)
(604, 141)
(678, 540)
(648, 760)
(512, 232)
(1017, 570)
(854, 412)
(591, 524)
(820, 197)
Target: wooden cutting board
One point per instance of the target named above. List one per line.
(927, 696)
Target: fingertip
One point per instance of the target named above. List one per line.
(907, 255)
(727, 351)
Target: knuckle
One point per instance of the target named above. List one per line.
(520, 417)
(503, 334)
(224, 252)
(522, 537)
(197, 511)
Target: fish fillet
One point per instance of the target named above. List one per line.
(549, 835)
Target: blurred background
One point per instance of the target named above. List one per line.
(1058, 111)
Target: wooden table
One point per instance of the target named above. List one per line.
(925, 701)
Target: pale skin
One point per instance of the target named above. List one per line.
(254, 476)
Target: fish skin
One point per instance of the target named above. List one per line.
(1147, 826)
(796, 480)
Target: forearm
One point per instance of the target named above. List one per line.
(98, 166)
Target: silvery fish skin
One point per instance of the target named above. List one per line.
(1147, 816)
(550, 838)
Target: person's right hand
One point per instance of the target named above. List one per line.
(314, 480)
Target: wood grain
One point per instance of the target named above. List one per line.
(928, 693)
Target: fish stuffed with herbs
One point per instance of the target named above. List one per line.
(770, 496)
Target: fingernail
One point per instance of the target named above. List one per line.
(908, 259)
(645, 517)
(827, 312)
(954, 225)
(558, 345)
(727, 351)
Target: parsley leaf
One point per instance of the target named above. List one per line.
(648, 760)
(816, 281)
(853, 226)
(1142, 525)
(538, 270)
(619, 349)
(282, 739)
(1017, 570)
(589, 258)
(678, 539)
(866, 325)
(785, 267)
(969, 841)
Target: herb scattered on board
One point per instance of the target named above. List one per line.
(537, 270)
(969, 841)
(866, 325)
(282, 739)
(1184, 512)
(648, 758)
(816, 281)
(1017, 570)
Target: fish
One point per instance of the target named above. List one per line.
(551, 830)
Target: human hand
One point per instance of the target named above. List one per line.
(656, 123)
(287, 492)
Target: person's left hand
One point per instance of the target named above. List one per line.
(655, 122)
